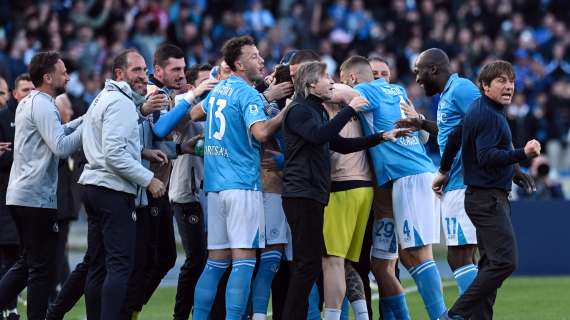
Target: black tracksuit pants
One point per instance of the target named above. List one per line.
(305, 218)
(191, 227)
(490, 212)
(111, 248)
(35, 269)
(71, 291)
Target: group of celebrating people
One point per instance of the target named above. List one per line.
(293, 171)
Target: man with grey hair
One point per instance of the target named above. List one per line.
(309, 137)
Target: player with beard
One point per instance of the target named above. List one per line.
(236, 124)
(40, 139)
(112, 179)
(155, 231)
(134, 74)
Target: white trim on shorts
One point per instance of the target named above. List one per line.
(236, 220)
(276, 226)
(457, 227)
(416, 211)
(384, 239)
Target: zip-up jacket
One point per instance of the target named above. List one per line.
(112, 143)
(39, 141)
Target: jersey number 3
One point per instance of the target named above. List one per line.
(220, 105)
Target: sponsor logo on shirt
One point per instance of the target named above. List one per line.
(409, 141)
(393, 91)
(223, 90)
(216, 151)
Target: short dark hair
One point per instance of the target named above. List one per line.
(42, 63)
(232, 49)
(378, 59)
(304, 55)
(166, 51)
(21, 77)
(193, 72)
(354, 61)
(121, 61)
(494, 70)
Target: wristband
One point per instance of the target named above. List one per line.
(178, 149)
(190, 97)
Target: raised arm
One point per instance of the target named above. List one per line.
(302, 123)
(349, 145)
(489, 154)
(48, 122)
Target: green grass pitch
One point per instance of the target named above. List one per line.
(520, 298)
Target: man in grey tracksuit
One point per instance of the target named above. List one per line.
(40, 139)
(112, 178)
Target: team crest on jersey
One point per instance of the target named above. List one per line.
(253, 108)
(441, 116)
(274, 233)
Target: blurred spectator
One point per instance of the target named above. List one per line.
(547, 188)
(4, 93)
(532, 34)
(259, 19)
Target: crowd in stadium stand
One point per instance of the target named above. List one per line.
(533, 35)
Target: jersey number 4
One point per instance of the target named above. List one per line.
(220, 105)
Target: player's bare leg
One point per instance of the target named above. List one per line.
(334, 283)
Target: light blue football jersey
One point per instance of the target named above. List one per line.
(392, 160)
(231, 154)
(456, 98)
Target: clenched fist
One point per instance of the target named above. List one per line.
(532, 148)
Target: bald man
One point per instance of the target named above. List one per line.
(433, 74)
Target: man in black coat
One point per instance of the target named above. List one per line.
(9, 242)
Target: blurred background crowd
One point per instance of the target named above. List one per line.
(532, 34)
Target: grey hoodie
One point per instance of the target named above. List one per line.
(40, 139)
(111, 142)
